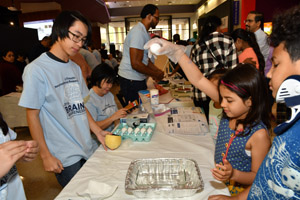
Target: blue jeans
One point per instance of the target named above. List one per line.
(130, 88)
(67, 174)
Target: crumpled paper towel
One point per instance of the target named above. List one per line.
(96, 190)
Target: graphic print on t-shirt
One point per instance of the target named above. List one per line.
(109, 110)
(73, 102)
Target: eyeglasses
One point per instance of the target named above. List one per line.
(248, 20)
(77, 38)
(157, 18)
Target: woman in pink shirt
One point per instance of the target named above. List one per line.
(245, 42)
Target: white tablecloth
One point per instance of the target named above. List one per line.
(111, 166)
(14, 115)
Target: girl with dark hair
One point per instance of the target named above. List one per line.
(11, 186)
(101, 103)
(243, 139)
(245, 42)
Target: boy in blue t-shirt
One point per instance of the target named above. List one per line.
(53, 97)
(279, 175)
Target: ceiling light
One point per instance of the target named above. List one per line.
(11, 23)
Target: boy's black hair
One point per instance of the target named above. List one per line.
(250, 38)
(247, 78)
(210, 25)
(64, 21)
(3, 125)
(102, 72)
(148, 9)
(259, 17)
(286, 30)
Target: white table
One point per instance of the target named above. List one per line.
(111, 166)
(14, 115)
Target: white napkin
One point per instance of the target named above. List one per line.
(96, 190)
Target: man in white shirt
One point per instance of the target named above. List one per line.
(254, 23)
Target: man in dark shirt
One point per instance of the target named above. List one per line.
(40, 48)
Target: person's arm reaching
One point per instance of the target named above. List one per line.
(197, 79)
(136, 59)
(104, 124)
(51, 163)
(177, 55)
(160, 73)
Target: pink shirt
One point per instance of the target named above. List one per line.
(249, 53)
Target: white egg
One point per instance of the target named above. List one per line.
(154, 48)
(130, 130)
(124, 129)
(136, 130)
(149, 130)
(143, 130)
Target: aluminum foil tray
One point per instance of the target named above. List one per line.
(163, 177)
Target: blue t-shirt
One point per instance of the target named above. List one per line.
(101, 108)
(57, 90)
(11, 186)
(279, 175)
(136, 38)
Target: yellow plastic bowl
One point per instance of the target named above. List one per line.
(113, 141)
